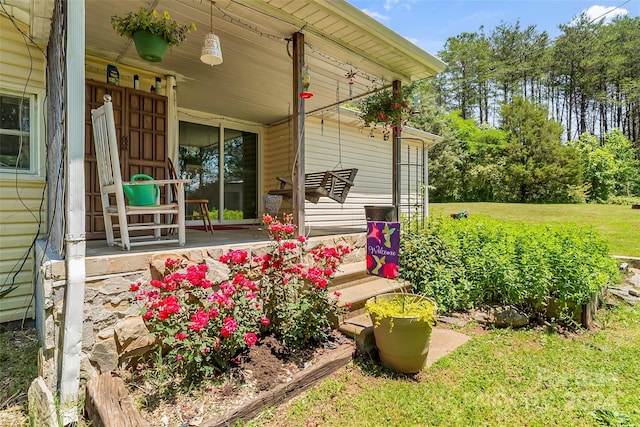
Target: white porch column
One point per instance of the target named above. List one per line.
(75, 243)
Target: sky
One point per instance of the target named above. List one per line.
(429, 23)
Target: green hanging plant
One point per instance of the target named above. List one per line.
(161, 25)
(387, 108)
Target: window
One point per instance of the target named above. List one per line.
(229, 168)
(16, 145)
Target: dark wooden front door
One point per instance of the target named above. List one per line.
(141, 129)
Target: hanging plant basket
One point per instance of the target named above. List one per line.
(388, 109)
(151, 31)
(151, 47)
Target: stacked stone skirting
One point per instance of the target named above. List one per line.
(113, 331)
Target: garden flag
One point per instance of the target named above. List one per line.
(383, 245)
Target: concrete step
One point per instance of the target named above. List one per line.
(360, 330)
(348, 274)
(443, 340)
(354, 297)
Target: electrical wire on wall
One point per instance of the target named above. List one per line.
(9, 284)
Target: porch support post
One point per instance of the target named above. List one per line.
(75, 239)
(395, 158)
(172, 117)
(298, 118)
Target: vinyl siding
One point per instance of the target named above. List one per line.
(329, 146)
(21, 195)
(19, 217)
(347, 146)
(277, 158)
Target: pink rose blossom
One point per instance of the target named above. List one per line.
(250, 339)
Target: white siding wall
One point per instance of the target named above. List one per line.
(331, 147)
(20, 194)
(372, 156)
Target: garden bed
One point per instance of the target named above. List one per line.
(266, 375)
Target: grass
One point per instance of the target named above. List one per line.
(502, 377)
(18, 367)
(619, 225)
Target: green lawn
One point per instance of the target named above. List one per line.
(528, 377)
(619, 225)
(499, 378)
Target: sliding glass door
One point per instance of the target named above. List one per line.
(223, 166)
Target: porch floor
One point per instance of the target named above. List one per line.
(233, 235)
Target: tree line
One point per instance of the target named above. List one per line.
(527, 119)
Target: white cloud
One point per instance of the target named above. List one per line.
(376, 15)
(388, 4)
(606, 13)
(405, 4)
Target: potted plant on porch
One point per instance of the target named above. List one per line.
(402, 325)
(152, 33)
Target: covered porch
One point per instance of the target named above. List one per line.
(82, 285)
(224, 236)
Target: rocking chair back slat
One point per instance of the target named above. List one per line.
(111, 189)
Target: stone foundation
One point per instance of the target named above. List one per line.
(113, 332)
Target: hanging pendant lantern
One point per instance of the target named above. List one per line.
(211, 52)
(306, 81)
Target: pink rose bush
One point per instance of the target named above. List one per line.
(293, 284)
(202, 326)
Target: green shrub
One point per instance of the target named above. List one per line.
(622, 200)
(229, 214)
(435, 270)
(463, 263)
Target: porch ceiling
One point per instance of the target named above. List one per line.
(254, 82)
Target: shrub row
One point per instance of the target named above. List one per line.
(464, 263)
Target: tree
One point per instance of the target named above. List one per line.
(517, 55)
(609, 168)
(538, 167)
(466, 79)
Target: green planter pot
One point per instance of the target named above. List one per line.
(403, 339)
(150, 47)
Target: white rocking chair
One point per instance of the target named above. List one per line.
(104, 135)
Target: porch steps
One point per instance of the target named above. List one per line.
(356, 287)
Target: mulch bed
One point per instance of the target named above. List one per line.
(266, 375)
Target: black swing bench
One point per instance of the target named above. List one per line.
(334, 184)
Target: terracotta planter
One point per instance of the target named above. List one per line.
(150, 47)
(403, 340)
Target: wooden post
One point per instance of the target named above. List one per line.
(395, 158)
(108, 403)
(298, 133)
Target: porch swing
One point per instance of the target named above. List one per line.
(334, 184)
